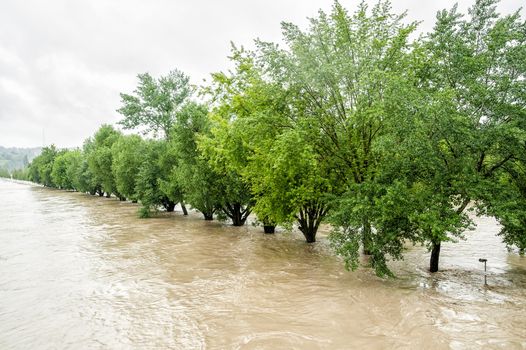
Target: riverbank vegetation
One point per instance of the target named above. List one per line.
(352, 122)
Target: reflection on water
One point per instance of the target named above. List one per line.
(83, 272)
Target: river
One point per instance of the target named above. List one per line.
(82, 272)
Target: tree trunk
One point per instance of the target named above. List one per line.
(183, 207)
(521, 251)
(309, 219)
(269, 228)
(100, 192)
(169, 206)
(310, 236)
(236, 213)
(134, 200)
(108, 195)
(367, 240)
(208, 216)
(435, 254)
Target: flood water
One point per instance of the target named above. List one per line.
(82, 272)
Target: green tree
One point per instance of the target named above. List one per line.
(59, 171)
(73, 163)
(127, 158)
(4, 173)
(21, 174)
(340, 78)
(474, 75)
(507, 202)
(155, 103)
(149, 178)
(199, 182)
(41, 167)
(224, 150)
(100, 159)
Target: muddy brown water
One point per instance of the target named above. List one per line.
(82, 272)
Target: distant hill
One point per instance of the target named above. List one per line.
(17, 158)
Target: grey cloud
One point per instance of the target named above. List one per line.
(63, 63)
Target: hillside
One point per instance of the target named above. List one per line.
(17, 158)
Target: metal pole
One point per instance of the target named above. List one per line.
(485, 274)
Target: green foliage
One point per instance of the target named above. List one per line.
(21, 174)
(507, 202)
(99, 157)
(58, 173)
(41, 167)
(155, 102)
(235, 197)
(470, 79)
(195, 176)
(339, 79)
(149, 178)
(4, 173)
(65, 169)
(169, 185)
(127, 157)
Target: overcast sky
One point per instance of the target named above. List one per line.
(64, 62)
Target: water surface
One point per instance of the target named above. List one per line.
(82, 272)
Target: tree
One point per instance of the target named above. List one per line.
(507, 202)
(84, 180)
(169, 184)
(127, 158)
(148, 180)
(340, 77)
(63, 169)
(99, 158)
(41, 167)
(155, 103)
(4, 173)
(199, 182)
(20, 174)
(73, 162)
(474, 74)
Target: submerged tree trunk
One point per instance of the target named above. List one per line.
(100, 192)
(309, 219)
(183, 207)
(521, 251)
(108, 195)
(237, 213)
(208, 216)
(435, 255)
(269, 228)
(120, 196)
(169, 206)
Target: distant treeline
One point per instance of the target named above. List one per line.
(350, 123)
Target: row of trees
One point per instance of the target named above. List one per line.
(390, 140)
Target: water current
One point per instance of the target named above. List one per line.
(83, 272)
